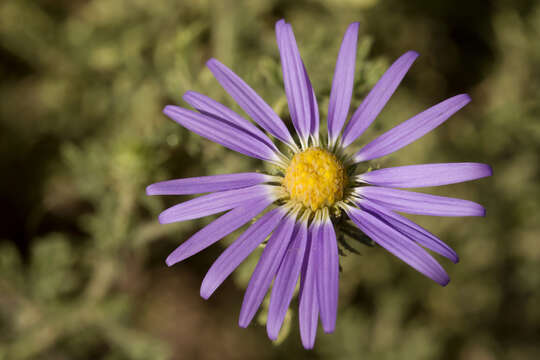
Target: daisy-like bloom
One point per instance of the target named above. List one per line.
(316, 187)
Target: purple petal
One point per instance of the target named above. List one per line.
(314, 111)
(212, 108)
(248, 100)
(221, 132)
(266, 269)
(297, 84)
(216, 230)
(342, 84)
(412, 129)
(327, 273)
(285, 282)
(203, 184)
(215, 203)
(399, 245)
(308, 312)
(426, 175)
(419, 203)
(377, 97)
(229, 260)
(408, 228)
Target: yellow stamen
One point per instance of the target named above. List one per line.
(315, 178)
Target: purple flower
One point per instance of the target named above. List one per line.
(315, 186)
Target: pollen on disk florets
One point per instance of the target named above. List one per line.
(315, 178)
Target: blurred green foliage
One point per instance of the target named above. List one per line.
(82, 85)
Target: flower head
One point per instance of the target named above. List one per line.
(315, 179)
(317, 186)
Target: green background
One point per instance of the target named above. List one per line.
(83, 83)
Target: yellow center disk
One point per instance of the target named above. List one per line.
(315, 178)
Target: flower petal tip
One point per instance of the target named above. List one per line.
(205, 293)
(353, 26)
(272, 333)
(465, 98)
(188, 95)
(163, 219)
(170, 261)
(280, 22)
(243, 323)
(329, 329)
(212, 62)
(444, 281)
(169, 110)
(412, 54)
(478, 210)
(489, 170)
(150, 190)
